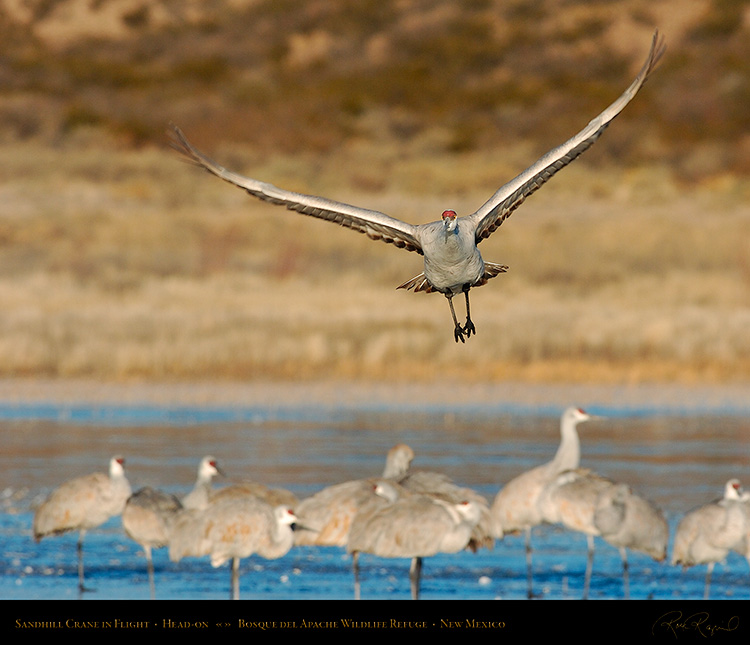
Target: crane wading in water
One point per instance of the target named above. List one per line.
(452, 262)
(82, 504)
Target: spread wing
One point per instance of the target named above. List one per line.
(374, 224)
(510, 196)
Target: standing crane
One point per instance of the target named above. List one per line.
(583, 501)
(415, 526)
(329, 512)
(440, 486)
(236, 520)
(234, 528)
(628, 521)
(82, 504)
(706, 534)
(147, 519)
(515, 506)
(452, 261)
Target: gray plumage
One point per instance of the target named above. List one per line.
(411, 525)
(148, 518)
(82, 504)
(452, 262)
(588, 503)
(198, 497)
(190, 532)
(515, 508)
(232, 529)
(272, 496)
(329, 512)
(441, 487)
(708, 533)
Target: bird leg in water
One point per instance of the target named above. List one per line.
(529, 574)
(150, 570)
(707, 586)
(415, 572)
(355, 569)
(589, 566)
(625, 572)
(469, 328)
(79, 550)
(235, 579)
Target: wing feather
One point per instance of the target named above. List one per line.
(510, 196)
(374, 224)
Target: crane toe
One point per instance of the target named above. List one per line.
(469, 328)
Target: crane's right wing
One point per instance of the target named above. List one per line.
(510, 196)
(374, 224)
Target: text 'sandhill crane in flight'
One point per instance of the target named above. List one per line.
(452, 262)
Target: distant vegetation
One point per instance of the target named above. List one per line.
(117, 261)
(288, 76)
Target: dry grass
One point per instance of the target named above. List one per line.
(122, 265)
(118, 262)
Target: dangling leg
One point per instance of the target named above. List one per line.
(355, 569)
(469, 328)
(625, 572)
(589, 566)
(414, 572)
(458, 332)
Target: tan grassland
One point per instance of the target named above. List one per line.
(122, 265)
(119, 263)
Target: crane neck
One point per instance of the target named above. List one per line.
(568, 455)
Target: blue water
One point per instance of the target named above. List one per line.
(675, 458)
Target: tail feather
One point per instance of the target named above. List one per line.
(490, 271)
(420, 283)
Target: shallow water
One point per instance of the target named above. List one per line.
(678, 460)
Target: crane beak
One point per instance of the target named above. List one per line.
(450, 220)
(296, 526)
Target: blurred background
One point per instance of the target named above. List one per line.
(120, 262)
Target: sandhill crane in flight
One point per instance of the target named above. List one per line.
(706, 534)
(515, 506)
(147, 519)
(452, 262)
(82, 504)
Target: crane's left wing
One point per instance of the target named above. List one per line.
(376, 225)
(510, 196)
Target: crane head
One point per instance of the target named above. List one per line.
(450, 219)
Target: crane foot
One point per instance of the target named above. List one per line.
(469, 328)
(458, 333)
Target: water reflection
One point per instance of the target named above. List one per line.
(678, 461)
